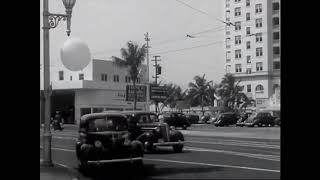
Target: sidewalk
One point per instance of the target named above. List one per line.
(58, 172)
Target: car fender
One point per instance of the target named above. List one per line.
(176, 136)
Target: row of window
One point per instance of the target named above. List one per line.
(275, 5)
(61, 76)
(237, 39)
(259, 52)
(89, 110)
(104, 77)
(237, 10)
(259, 67)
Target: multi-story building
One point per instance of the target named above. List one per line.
(100, 86)
(253, 47)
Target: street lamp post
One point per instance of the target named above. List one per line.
(50, 21)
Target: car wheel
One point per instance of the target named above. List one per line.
(150, 147)
(177, 148)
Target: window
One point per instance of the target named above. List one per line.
(237, 11)
(248, 16)
(248, 70)
(259, 52)
(104, 77)
(237, 40)
(248, 44)
(84, 111)
(259, 89)
(115, 78)
(258, 8)
(248, 59)
(259, 23)
(276, 65)
(275, 21)
(248, 30)
(228, 68)
(237, 25)
(238, 68)
(237, 1)
(259, 66)
(276, 35)
(228, 56)
(61, 75)
(247, 2)
(128, 79)
(227, 32)
(81, 76)
(249, 88)
(228, 15)
(276, 50)
(70, 78)
(227, 43)
(97, 110)
(238, 53)
(275, 6)
(259, 37)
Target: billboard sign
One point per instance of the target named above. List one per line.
(158, 93)
(141, 93)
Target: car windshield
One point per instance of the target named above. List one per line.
(111, 123)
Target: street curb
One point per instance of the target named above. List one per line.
(74, 173)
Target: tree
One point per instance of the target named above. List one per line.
(200, 92)
(231, 92)
(132, 58)
(175, 93)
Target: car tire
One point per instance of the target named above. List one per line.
(177, 148)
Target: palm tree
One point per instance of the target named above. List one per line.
(175, 93)
(133, 56)
(231, 92)
(200, 92)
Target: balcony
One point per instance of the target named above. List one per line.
(253, 74)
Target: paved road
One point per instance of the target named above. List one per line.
(203, 157)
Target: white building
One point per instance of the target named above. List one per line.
(100, 86)
(253, 46)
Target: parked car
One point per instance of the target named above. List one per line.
(226, 119)
(276, 115)
(152, 133)
(204, 119)
(176, 119)
(212, 119)
(263, 118)
(104, 138)
(192, 118)
(242, 119)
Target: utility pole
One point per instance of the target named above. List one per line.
(156, 75)
(147, 39)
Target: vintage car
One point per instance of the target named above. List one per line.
(243, 118)
(104, 138)
(226, 119)
(262, 118)
(193, 118)
(146, 127)
(176, 119)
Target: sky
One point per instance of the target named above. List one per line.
(107, 25)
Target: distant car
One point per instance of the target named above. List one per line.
(242, 119)
(192, 118)
(152, 133)
(104, 138)
(226, 119)
(176, 119)
(263, 118)
(204, 119)
(276, 115)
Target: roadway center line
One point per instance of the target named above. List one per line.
(237, 144)
(214, 165)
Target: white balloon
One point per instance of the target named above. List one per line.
(75, 54)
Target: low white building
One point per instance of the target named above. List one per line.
(100, 86)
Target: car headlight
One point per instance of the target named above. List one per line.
(157, 129)
(98, 144)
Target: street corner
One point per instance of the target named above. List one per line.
(58, 172)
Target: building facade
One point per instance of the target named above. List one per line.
(253, 47)
(101, 86)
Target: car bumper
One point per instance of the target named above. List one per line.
(98, 162)
(168, 143)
